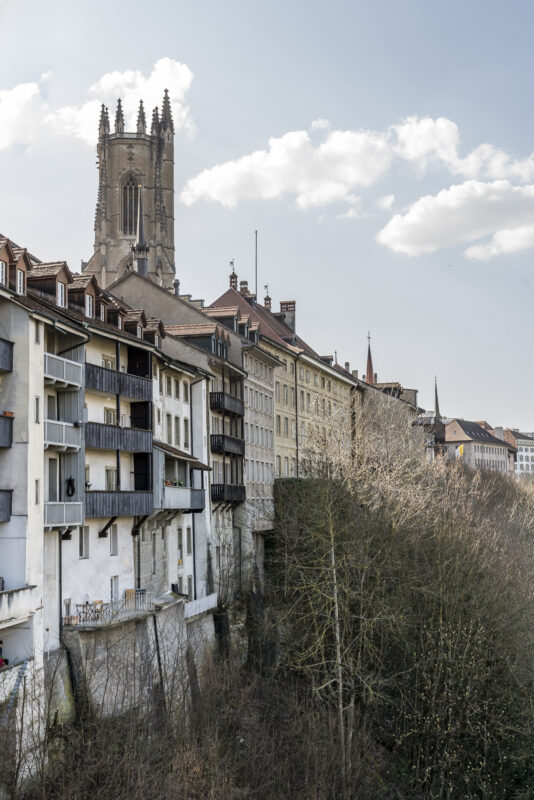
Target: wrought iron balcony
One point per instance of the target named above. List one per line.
(99, 504)
(112, 381)
(222, 401)
(6, 356)
(5, 504)
(60, 515)
(6, 431)
(63, 372)
(227, 493)
(113, 437)
(183, 498)
(221, 443)
(62, 435)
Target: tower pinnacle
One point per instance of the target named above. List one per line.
(140, 248)
(166, 113)
(369, 375)
(119, 118)
(437, 414)
(141, 119)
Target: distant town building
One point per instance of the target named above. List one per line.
(477, 447)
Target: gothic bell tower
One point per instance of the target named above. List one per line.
(135, 174)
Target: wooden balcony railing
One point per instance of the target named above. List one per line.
(6, 431)
(221, 443)
(113, 437)
(222, 401)
(6, 356)
(99, 504)
(112, 381)
(227, 493)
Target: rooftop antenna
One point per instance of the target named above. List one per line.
(256, 262)
(335, 356)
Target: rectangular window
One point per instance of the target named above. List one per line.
(102, 312)
(113, 541)
(20, 281)
(111, 479)
(302, 401)
(37, 332)
(286, 426)
(186, 433)
(189, 587)
(61, 294)
(168, 386)
(154, 552)
(110, 416)
(160, 382)
(180, 548)
(180, 585)
(286, 466)
(186, 392)
(37, 492)
(89, 305)
(3, 272)
(285, 394)
(119, 322)
(168, 421)
(301, 373)
(176, 388)
(38, 409)
(177, 431)
(83, 541)
(277, 392)
(189, 541)
(109, 362)
(139, 332)
(114, 588)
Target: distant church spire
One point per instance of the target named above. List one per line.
(437, 415)
(119, 118)
(370, 375)
(140, 248)
(166, 114)
(103, 125)
(141, 119)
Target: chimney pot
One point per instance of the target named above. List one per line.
(177, 287)
(243, 287)
(355, 373)
(288, 308)
(347, 366)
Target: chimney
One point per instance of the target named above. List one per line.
(287, 307)
(355, 373)
(347, 366)
(267, 302)
(177, 287)
(243, 287)
(498, 433)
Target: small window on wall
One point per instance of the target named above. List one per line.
(176, 388)
(114, 589)
(189, 587)
(156, 340)
(186, 392)
(37, 332)
(189, 541)
(61, 294)
(38, 409)
(177, 431)
(180, 548)
(89, 305)
(186, 433)
(119, 322)
(37, 493)
(3, 272)
(168, 386)
(110, 416)
(102, 312)
(83, 541)
(113, 541)
(20, 281)
(139, 332)
(111, 479)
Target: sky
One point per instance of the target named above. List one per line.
(384, 152)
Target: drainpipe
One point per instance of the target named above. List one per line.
(60, 582)
(297, 413)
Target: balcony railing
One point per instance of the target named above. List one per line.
(99, 504)
(227, 493)
(62, 371)
(59, 515)
(222, 401)
(201, 605)
(62, 435)
(6, 356)
(6, 431)
(183, 498)
(5, 504)
(113, 437)
(221, 443)
(112, 381)
(136, 601)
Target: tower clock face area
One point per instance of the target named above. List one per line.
(133, 165)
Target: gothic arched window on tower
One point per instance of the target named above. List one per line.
(129, 206)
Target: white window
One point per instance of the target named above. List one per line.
(37, 409)
(83, 541)
(3, 272)
(114, 589)
(119, 322)
(186, 392)
(61, 294)
(156, 340)
(89, 305)
(139, 332)
(113, 541)
(186, 433)
(111, 479)
(102, 312)
(177, 431)
(20, 281)
(110, 416)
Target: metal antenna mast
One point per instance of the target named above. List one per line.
(256, 262)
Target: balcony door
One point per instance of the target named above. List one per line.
(53, 480)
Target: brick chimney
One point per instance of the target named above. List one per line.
(243, 287)
(287, 307)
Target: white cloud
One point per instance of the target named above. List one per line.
(316, 175)
(321, 124)
(464, 213)
(25, 114)
(385, 203)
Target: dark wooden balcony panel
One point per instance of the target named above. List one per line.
(6, 431)
(222, 401)
(111, 381)
(6, 356)
(5, 504)
(113, 437)
(99, 504)
(221, 443)
(227, 493)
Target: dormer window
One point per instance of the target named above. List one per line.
(89, 305)
(3, 272)
(119, 322)
(20, 281)
(139, 332)
(102, 312)
(61, 294)
(156, 340)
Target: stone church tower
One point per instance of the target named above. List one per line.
(130, 164)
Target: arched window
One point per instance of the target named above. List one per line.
(129, 206)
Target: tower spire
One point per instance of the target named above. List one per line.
(119, 118)
(437, 414)
(141, 119)
(140, 248)
(155, 122)
(103, 125)
(166, 113)
(369, 375)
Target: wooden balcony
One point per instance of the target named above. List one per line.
(5, 504)
(112, 381)
(6, 431)
(62, 372)
(222, 401)
(62, 435)
(62, 515)
(183, 498)
(227, 493)
(221, 443)
(6, 356)
(100, 504)
(112, 437)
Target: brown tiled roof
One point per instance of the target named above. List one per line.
(48, 269)
(193, 330)
(154, 325)
(81, 281)
(232, 311)
(135, 315)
